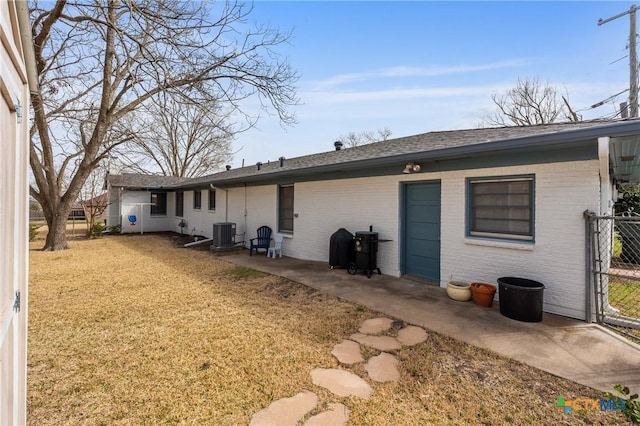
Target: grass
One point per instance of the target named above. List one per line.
(136, 330)
(624, 294)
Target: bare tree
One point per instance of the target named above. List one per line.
(352, 139)
(179, 138)
(94, 201)
(529, 103)
(97, 62)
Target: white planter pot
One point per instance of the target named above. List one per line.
(458, 290)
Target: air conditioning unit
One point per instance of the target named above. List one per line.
(223, 234)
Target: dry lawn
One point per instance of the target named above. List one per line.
(136, 330)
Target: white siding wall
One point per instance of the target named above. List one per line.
(130, 204)
(14, 219)
(113, 209)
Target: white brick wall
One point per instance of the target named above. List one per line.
(556, 259)
(250, 208)
(354, 204)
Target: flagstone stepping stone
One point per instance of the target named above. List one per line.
(375, 326)
(337, 415)
(286, 411)
(381, 343)
(341, 383)
(347, 352)
(383, 368)
(412, 335)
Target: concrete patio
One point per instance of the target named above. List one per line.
(585, 353)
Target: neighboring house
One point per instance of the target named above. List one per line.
(92, 208)
(143, 196)
(77, 212)
(474, 205)
(16, 75)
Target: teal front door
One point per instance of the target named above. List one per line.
(422, 230)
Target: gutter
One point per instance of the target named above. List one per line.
(27, 46)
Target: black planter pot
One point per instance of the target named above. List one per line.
(521, 299)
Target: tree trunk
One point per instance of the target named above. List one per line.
(57, 235)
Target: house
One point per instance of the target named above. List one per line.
(92, 208)
(16, 76)
(474, 204)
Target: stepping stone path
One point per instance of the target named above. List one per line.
(341, 382)
(286, 411)
(381, 343)
(337, 415)
(347, 352)
(375, 326)
(383, 368)
(380, 368)
(412, 335)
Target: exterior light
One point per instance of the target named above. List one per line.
(411, 167)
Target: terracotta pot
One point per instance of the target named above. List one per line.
(458, 290)
(483, 294)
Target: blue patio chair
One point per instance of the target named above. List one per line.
(262, 241)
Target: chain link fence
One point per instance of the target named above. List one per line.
(615, 264)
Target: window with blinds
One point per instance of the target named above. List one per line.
(501, 207)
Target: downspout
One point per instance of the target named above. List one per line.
(606, 203)
(27, 46)
(605, 180)
(245, 211)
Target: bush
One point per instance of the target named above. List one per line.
(97, 229)
(33, 231)
(631, 403)
(617, 245)
(114, 229)
(629, 202)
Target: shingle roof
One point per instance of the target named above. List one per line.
(422, 143)
(133, 180)
(400, 149)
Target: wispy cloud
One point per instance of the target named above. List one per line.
(406, 72)
(333, 97)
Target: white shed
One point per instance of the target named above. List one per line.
(15, 50)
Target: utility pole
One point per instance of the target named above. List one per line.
(633, 58)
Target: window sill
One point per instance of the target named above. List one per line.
(513, 245)
(285, 234)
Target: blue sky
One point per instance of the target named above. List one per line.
(416, 67)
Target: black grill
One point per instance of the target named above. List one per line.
(366, 247)
(341, 249)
